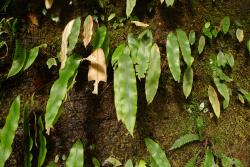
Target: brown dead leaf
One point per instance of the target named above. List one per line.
(213, 98)
(87, 30)
(139, 24)
(48, 4)
(64, 45)
(33, 19)
(97, 68)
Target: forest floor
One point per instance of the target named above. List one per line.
(93, 119)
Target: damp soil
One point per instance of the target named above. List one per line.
(92, 118)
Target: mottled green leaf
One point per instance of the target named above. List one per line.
(18, 60)
(187, 81)
(58, 91)
(133, 45)
(51, 62)
(201, 45)
(143, 53)
(8, 131)
(188, 138)
(158, 155)
(126, 91)
(185, 47)
(118, 51)
(169, 2)
(129, 163)
(192, 161)
(73, 36)
(76, 155)
(209, 159)
(99, 37)
(42, 143)
(225, 24)
(224, 91)
(192, 37)
(33, 53)
(213, 98)
(173, 56)
(153, 73)
(95, 162)
(27, 138)
(130, 4)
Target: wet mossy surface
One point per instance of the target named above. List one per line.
(92, 118)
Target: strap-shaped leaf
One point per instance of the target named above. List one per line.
(33, 53)
(133, 45)
(187, 81)
(69, 39)
(153, 73)
(209, 159)
(192, 37)
(73, 36)
(118, 51)
(224, 91)
(42, 143)
(99, 37)
(18, 60)
(185, 47)
(8, 132)
(225, 24)
(157, 154)
(126, 93)
(188, 138)
(76, 155)
(27, 138)
(173, 56)
(213, 98)
(130, 6)
(58, 91)
(143, 54)
(201, 45)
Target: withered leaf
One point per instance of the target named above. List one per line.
(97, 68)
(87, 30)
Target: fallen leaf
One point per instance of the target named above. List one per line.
(240, 35)
(64, 46)
(48, 4)
(97, 68)
(213, 98)
(87, 30)
(33, 19)
(139, 24)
